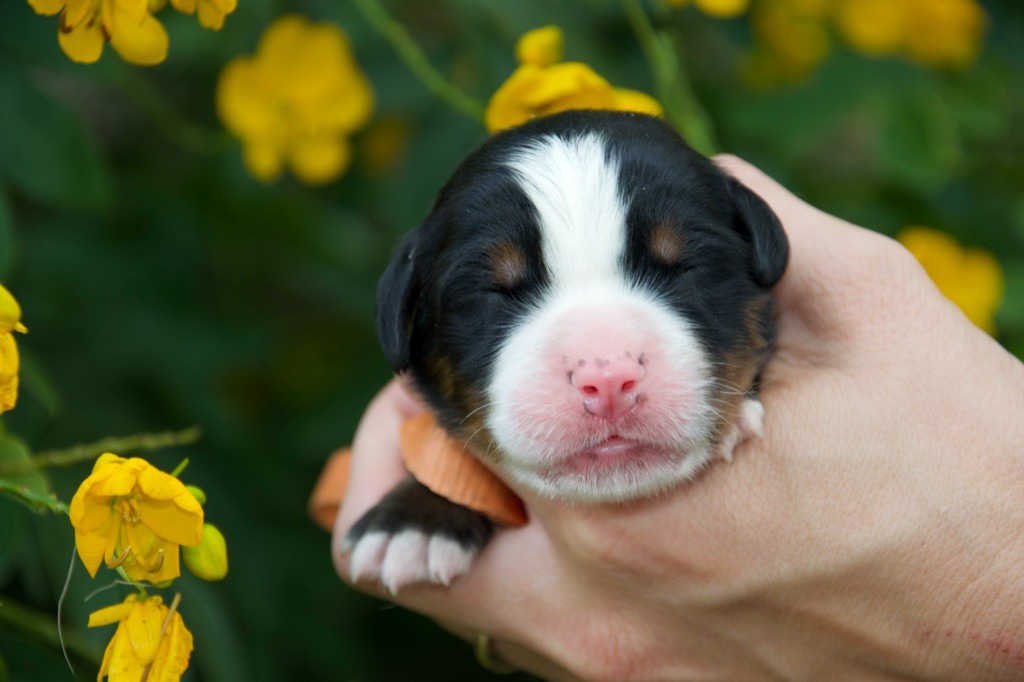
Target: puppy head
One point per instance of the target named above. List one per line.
(586, 305)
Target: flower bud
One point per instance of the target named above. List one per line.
(209, 559)
(197, 493)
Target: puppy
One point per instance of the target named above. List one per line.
(588, 307)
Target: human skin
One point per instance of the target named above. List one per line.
(875, 532)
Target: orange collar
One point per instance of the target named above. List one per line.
(439, 462)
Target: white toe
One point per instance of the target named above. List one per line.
(447, 559)
(406, 560)
(368, 556)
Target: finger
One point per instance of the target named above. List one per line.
(506, 594)
(376, 458)
(504, 654)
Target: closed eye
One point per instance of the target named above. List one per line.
(666, 244)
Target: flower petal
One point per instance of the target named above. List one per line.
(119, 660)
(723, 9)
(873, 27)
(306, 63)
(505, 108)
(111, 614)
(47, 7)
(345, 110)
(8, 372)
(172, 521)
(92, 548)
(242, 102)
(105, 459)
(157, 486)
(318, 160)
(78, 11)
(577, 86)
(83, 43)
(211, 14)
(136, 9)
(143, 43)
(152, 559)
(263, 160)
(541, 46)
(175, 649)
(634, 100)
(10, 311)
(143, 625)
(89, 514)
(538, 91)
(112, 480)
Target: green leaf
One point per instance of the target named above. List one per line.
(44, 150)
(6, 234)
(1011, 314)
(31, 487)
(919, 143)
(36, 382)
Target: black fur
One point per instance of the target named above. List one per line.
(437, 312)
(412, 506)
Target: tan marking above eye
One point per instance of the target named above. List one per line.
(666, 244)
(508, 264)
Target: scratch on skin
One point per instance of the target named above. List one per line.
(995, 646)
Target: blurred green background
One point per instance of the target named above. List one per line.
(164, 287)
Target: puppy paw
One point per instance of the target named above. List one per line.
(749, 424)
(415, 536)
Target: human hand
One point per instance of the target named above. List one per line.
(876, 531)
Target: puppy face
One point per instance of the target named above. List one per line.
(587, 305)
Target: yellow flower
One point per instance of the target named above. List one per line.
(873, 27)
(970, 278)
(540, 88)
(208, 560)
(296, 101)
(10, 321)
(936, 33)
(541, 46)
(721, 9)
(945, 33)
(792, 39)
(128, 513)
(211, 12)
(151, 641)
(86, 25)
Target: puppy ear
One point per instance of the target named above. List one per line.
(762, 229)
(395, 305)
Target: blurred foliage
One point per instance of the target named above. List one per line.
(164, 287)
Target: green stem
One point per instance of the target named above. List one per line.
(417, 61)
(37, 501)
(181, 467)
(42, 628)
(671, 81)
(177, 128)
(117, 444)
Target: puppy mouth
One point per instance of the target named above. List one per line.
(614, 453)
(613, 446)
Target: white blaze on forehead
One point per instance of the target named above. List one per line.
(574, 186)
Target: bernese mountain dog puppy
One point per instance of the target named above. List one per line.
(588, 307)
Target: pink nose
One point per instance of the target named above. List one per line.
(608, 387)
